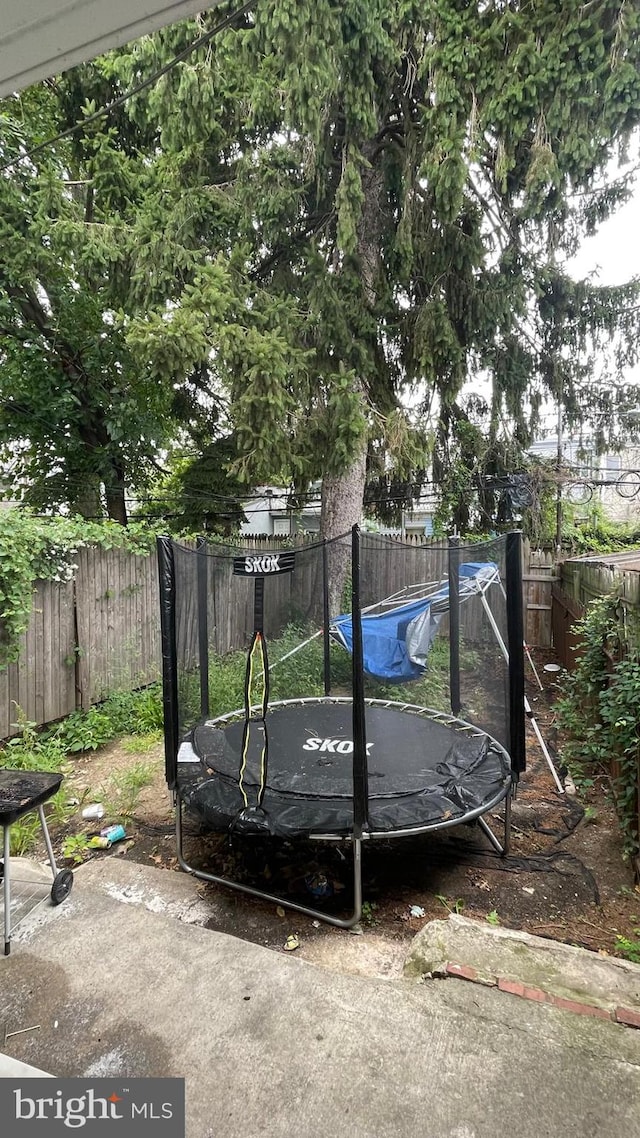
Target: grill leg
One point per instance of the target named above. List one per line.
(47, 841)
(7, 891)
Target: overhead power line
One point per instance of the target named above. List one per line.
(102, 112)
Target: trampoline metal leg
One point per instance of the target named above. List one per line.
(503, 850)
(507, 822)
(7, 890)
(317, 914)
(486, 829)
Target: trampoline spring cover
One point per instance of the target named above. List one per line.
(424, 770)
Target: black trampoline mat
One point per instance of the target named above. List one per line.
(421, 771)
(311, 750)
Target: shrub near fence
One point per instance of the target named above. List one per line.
(101, 632)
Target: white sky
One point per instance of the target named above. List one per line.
(614, 252)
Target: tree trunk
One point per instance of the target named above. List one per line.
(115, 494)
(342, 497)
(343, 493)
(87, 502)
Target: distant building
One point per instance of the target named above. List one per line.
(609, 480)
(269, 513)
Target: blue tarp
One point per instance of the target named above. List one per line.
(385, 635)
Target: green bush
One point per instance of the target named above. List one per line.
(122, 713)
(598, 710)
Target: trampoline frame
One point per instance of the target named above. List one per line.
(471, 817)
(360, 831)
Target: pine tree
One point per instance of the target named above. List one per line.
(403, 182)
(335, 204)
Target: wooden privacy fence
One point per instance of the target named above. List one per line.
(85, 639)
(101, 631)
(538, 578)
(565, 611)
(582, 581)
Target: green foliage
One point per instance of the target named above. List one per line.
(141, 744)
(452, 906)
(75, 847)
(324, 207)
(30, 750)
(598, 710)
(83, 731)
(369, 912)
(122, 713)
(599, 535)
(300, 675)
(201, 493)
(33, 548)
(24, 834)
(120, 797)
(629, 947)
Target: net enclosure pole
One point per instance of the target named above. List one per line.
(326, 619)
(167, 576)
(515, 639)
(203, 626)
(360, 774)
(454, 624)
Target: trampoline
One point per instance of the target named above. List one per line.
(344, 763)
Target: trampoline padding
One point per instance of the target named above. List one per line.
(422, 773)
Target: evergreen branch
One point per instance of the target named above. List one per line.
(313, 227)
(103, 112)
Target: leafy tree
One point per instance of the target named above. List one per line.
(403, 181)
(335, 203)
(199, 495)
(79, 418)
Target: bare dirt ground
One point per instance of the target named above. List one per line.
(564, 878)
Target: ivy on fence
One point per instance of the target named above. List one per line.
(599, 709)
(34, 548)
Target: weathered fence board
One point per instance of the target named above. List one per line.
(583, 581)
(117, 622)
(100, 632)
(538, 577)
(565, 611)
(41, 685)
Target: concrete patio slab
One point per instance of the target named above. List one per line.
(270, 1045)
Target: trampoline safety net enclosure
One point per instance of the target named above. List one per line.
(353, 688)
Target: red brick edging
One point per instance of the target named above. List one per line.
(628, 1016)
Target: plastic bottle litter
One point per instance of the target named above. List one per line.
(113, 833)
(93, 812)
(318, 885)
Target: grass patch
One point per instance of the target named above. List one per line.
(141, 744)
(132, 713)
(120, 796)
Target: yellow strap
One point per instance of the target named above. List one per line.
(256, 648)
